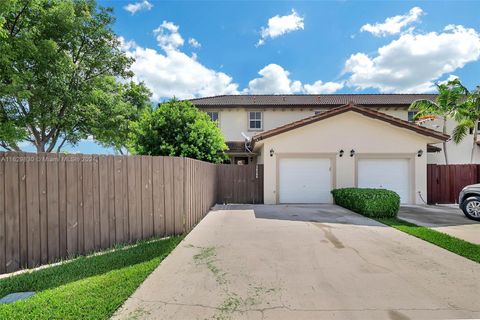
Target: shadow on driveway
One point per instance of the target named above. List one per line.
(323, 213)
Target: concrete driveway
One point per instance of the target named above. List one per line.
(445, 218)
(305, 262)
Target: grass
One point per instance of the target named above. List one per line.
(461, 247)
(90, 287)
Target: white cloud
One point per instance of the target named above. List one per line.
(323, 87)
(194, 43)
(168, 37)
(169, 72)
(276, 80)
(174, 73)
(393, 25)
(280, 25)
(138, 6)
(413, 62)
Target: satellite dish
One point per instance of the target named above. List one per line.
(245, 136)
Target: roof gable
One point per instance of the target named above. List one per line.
(354, 108)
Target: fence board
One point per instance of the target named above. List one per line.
(23, 214)
(53, 237)
(104, 201)
(62, 207)
(12, 214)
(169, 196)
(89, 225)
(111, 200)
(158, 197)
(80, 212)
(118, 200)
(96, 202)
(2, 213)
(147, 197)
(178, 173)
(72, 195)
(42, 184)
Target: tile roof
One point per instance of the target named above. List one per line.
(359, 109)
(326, 100)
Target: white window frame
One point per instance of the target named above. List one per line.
(210, 113)
(250, 119)
(413, 113)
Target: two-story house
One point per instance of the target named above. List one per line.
(310, 144)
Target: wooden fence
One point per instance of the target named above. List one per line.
(444, 182)
(240, 183)
(54, 206)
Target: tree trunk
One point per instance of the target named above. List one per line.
(445, 143)
(474, 146)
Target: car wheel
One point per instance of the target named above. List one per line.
(471, 208)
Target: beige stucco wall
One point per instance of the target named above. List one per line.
(347, 131)
(233, 121)
(457, 153)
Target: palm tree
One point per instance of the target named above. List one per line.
(445, 107)
(468, 117)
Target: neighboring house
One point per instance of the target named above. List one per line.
(310, 144)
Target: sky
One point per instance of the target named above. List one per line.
(191, 49)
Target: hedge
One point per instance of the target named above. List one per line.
(375, 203)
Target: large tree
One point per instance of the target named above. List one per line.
(177, 128)
(449, 98)
(59, 66)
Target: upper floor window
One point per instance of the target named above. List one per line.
(213, 115)
(411, 115)
(255, 120)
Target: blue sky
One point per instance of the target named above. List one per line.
(296, 47)
(228, 32)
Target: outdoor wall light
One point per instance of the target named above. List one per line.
(419, 153)
(272, 152)
(340, 153)
(352, 153)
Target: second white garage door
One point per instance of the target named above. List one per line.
(391, 174)
(305, 180)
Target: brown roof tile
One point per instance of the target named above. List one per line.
(359, 109)
(318, 100)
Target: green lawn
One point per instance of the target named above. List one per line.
(461, 247)
(90, 287)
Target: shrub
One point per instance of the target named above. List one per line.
(375, 203)
(178, 128)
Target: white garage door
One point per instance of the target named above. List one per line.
(305, 180)
(391, 174)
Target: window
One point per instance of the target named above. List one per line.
(411, 115)
(213, 115)
(255, 120)
(478, 128)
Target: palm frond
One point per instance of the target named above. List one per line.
(461, 130)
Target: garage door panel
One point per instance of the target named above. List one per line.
(305, 180)
(391, 174)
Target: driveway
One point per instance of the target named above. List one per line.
(305, 262)
(446, 219)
